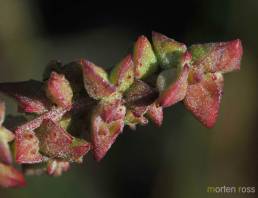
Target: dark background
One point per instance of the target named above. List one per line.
(181, 158)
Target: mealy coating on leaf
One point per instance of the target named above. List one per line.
(55, 114)
(111, 111)
(10, 177)
(217, 57)
(168, 50)
(43, 145)
(57, 167)
(29, 95)
(55, 142)
(203, 98)
(58, 90)
(6, 136)
(27, 148)
(104, 130)
(96, 80)
(172, 86)
(155, 113)
(144, 58)
(140, 94)
(122, 75)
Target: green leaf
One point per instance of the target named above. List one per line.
(168, 51)
(122, 75)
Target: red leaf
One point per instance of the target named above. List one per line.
(215, 57)
(59, 90)
(203, 98)
(168, 50)
(10, 177)
(113, 111)
(27, 148)
(29, 95)
(55, 142)
(55, 114)
(26, 143)
(105, 133)
(96, 80)
(155, 113)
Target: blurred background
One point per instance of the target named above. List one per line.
(181, 158)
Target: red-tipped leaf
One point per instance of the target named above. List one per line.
(217, 57)
(55, 142)
(27, 148)
(105, 130)
(172, 86)
(96, 80)
(144, 58)
(29, 95)
(155, 114)
(59, 90)
(203, 98)
(122, 74)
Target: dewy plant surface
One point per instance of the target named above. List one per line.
(81, 100)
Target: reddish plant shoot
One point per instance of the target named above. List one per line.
(82, 98)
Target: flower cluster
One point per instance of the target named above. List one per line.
(81, 100)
